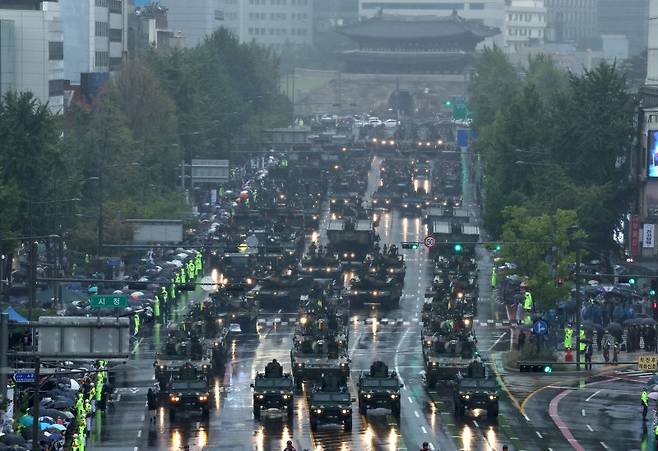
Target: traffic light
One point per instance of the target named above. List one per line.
(458, 247)
(447, 103)
(654, 309)
(499, 248)
(536, 368)
(631, 281)
(413, 245)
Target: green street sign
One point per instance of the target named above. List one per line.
(108, 301)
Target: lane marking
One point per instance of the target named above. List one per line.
(604, 445)
(411, 401)
(139, 434)
(497, 341)
(564, 430)
(582, 412)
(417, 414)
(539, 434)
(593, 395)
(422, 428)
(589, 427)
(143, 416)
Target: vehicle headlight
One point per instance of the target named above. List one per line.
(352, 255)
(394, 395)
(346, 411)
(467, 396)
(328, 269)
(492, 397)
(391, 270)
(405, 205)
(428, 342)
(375, 293)
(368, 395)
(203, 398)
(174, 398)
(216, 344)
(220, 321)
(205, 367)
(434, 363)
(345, 255)
(162, 367)
(285, 396)
(300, 365)
(343, 365)
(318, 411)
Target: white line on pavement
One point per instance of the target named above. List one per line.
(476, 424)
(417, 414)
(539, 434)
(593, 395)
(604, 445)
(411, 401)
(422, 428)
(497, 341)
(143, 416)
(582, 412)
(139, 434)
(589, 427)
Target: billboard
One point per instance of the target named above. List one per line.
(634, 241)
(652, 154)
(102, 336)
(648, 236)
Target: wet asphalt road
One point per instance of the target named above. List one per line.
(395, 339)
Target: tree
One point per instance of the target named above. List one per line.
(542, 247)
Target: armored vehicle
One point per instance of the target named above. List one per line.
(379, 388)
(273, 389)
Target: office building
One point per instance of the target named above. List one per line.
(31, 50)
(95, 36)
(195, 20)
(625, 17)
(572, 20)
(525, 24)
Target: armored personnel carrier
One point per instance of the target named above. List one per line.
(379, 388)
(273, 389)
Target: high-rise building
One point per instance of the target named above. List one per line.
(327, 15)
(625, 17)
(195, 20)
(525, 24)
(572, 20)
(489, 12)
(276, 23)
(95, 36)
(31, 50)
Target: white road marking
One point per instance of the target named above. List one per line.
(143, 416)
(411, 401)
(539, 434)
(582, 412)
(422, 428)
(604, 445)
(139, 434)
(476, 424)
(417, 414)
(497, 341)
(136, 448)
(589, 427)
(593, 395)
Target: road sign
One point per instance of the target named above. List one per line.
(109, 301)
(24, 377)
(429, 241)
(540, 327)
(647, 362)
(114, 261)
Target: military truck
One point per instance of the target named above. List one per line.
(331, 403)
(446, 352)
(351, 239)
(475, 390)
(181, 351)
(273, 389)
(315, 356)
(384, 292)
(235, 307)
(379, 388)
(188, 390)
(282, 290)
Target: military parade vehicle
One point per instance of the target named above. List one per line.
(320, 264)
(331, 402)
(474, 390)
(273, 389)
(447, 350)
(379, 388)
(232, 304)
(351, 239)
(188, 390)
(281, 290)
(181, 350)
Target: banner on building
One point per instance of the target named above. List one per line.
(634, 236)
(648, 236)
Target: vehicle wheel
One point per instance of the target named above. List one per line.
(314, 425)
(257, 412)
(348, 424)
(492, 411)
(363, 410)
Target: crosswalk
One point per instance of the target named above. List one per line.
(636, 373)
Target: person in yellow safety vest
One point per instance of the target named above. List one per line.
(136, 322)
(177, 279)
(656, 433)
(190, 270)
(172, 291)
(165, 295)
(156, 306)
(183, 279)
(582, 340)
(568, 337)
(75, 446)
(493, 278)
(527, 301)
(99, 389)
(644, 398)
(82, 436)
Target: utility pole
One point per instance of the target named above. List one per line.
(99, 244)
(36, 399)
(32, 276)
(4, 348)
(578, 301)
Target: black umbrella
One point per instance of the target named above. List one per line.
(590, 325)
(647, 321)
(12, 439)
(615, 327)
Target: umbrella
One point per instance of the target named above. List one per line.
(117, 292)
(653, 395)
(57, 414)
(647, 321)
(26, 420)
(57, 427)
(12, 439)
(244, 194)
(137, 295)
(615, 326)
(631, 321)
(55, 437)
(590, 325)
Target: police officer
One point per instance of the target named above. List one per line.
(568, 337)
(527, 302)
(493, 278)
(136, 322)
(156, 306)
(644, 398)
(582, 345)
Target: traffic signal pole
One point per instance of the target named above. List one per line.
(578, 306)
